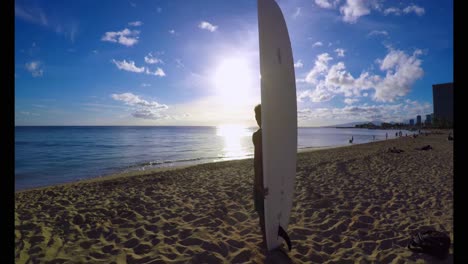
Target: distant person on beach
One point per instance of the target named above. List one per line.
(351, 140)
(373, 138)
(396, 134)
(258, 190)
(386, 136)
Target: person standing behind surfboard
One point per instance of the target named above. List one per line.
(259, 191)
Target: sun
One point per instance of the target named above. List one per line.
(233, 82)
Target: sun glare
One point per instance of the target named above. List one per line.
(233, 82)
(232, 136)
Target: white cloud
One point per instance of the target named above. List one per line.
(392, 10)
(340, 52)
(328, 4)
(208, 26)
(125, 37)
(414, 8)
(128, 66)
(298, 64)
(34, 67)
(159, 9)
(135, 100)
(401, 71)
(377, 32)
(409, 9)
(158, 72)
(135, 23)
(172, 31)
(351, 101)
(297, 13)
(321, 66)
(386, 112)
(95, 51)
(150, 59)
(317, 44)
(143, 108)
(354, 9)
(145, 85)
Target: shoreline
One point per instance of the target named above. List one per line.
(136, 173)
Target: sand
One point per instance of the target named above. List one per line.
(357, 204)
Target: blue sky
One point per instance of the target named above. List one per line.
(180, 62)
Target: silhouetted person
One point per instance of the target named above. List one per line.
(386, 136)
(373, 138)
(351, 140)
(259, 192)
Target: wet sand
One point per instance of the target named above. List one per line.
(356, 204)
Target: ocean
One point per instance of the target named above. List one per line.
(52, 155)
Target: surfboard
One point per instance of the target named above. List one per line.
(279, 119)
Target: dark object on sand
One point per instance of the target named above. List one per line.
(450, 137)
(395, 150)
(431, 242)
(427, 147)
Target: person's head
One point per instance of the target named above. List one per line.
(258, 114)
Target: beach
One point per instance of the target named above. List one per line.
(354, 204)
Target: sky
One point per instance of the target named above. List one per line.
(196, 63)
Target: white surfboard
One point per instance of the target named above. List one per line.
(279, 119)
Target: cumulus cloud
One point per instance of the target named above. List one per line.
(321, 66)
(328, 4)
(414, 8)
(401, 71)
(135, 23)
(354, 9)
(150, 59)
(208, 26)
(125, 37)
(145, 85)
(128, 66)
(340, 52)
(392, 10)
(34, 67)
(317, 44)
(377, 32)
(142, 108)
(351, 100)
(409, 9)
(298, 64)
(172, 31)
(158, 72)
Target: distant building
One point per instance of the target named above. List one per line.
(443, 101)
(418, 120)
(428, 119)
(411, 122)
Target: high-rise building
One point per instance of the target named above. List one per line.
(418, 120)
(411, 122)
(443, 101)
(428, 119)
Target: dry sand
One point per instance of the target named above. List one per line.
(358, 204)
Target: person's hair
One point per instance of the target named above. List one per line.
(258, 109)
